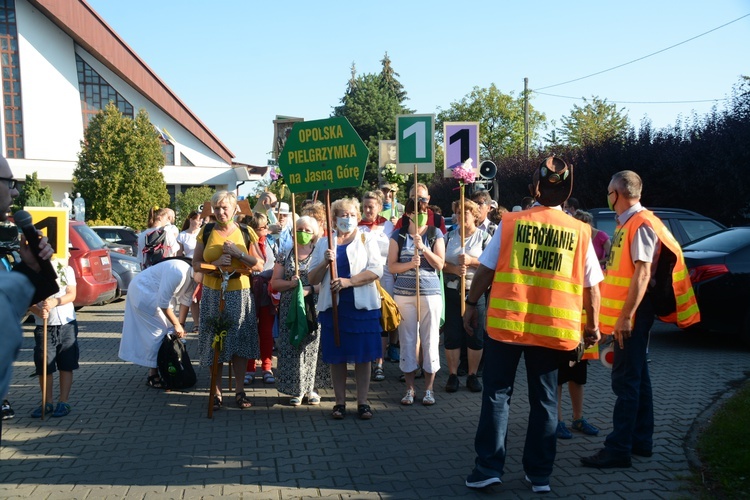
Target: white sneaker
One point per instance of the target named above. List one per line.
(539, 488)
(429, 398)
(408, 399)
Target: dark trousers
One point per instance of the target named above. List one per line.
(492, 432)
(633, 418)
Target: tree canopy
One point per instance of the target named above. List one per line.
(596, 122)
(371, 103)
(33, 194)
(119, 168)
(501, 121)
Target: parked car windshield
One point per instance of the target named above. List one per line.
(726, 241)
(92, 240)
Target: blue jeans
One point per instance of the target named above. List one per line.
(501, 363)
(633, 418)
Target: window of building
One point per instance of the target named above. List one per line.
(96, 93)
(184, 161)
(11, 80)
(167, 149)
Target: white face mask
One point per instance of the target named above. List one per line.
(346, 224)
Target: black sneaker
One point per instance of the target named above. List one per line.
(8, 412)
(473, 383)
(453, 383)
(604, 459)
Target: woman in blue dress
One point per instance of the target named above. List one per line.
(357, 264)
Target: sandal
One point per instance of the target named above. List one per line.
(217, 403)
(242, 401)
(156, 382)
(268, 378)
(378, 374)
(339, 412)
(365, 412)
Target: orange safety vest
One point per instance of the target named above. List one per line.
(620, 269)
(537, 292)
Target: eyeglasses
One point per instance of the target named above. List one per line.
(423, 200)
(611, 192)
(12, 183)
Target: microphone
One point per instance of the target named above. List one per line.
(22, 219)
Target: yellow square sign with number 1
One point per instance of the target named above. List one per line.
(53, 223)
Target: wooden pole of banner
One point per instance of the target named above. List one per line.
(294, 239)
(332, 269)
(462, 219)
(44, 368)
(416, 235)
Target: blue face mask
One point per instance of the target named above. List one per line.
(346, 224)
(386, 206)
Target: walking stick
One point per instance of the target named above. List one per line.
(462, 218)
(416, 235)
(44, 368)
(218, 343)
(332, 269)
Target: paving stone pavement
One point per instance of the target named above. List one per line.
(125, 440)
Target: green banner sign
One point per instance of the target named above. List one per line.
(323, 154)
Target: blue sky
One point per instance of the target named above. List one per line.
(237, 64)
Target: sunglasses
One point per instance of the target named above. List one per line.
(12, 183)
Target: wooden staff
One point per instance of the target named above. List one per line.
(294, 239)
(461, 220)
(332, 269)
(44, 368)
(416, 235)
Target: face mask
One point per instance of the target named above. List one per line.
(386, 206)
(421, 219)
(346, 224)
(611, 204)
(304, 238)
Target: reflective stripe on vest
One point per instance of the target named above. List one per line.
(620, 269)
(537, 291)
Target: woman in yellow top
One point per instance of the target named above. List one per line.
(225, 247)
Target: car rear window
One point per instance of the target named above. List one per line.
(726, 241)
(696, 229)
(92, 240)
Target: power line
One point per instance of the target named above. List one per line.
(632, 102)
(646, 56)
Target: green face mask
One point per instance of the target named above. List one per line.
(304, 238)
(421, 219)
(610, 204)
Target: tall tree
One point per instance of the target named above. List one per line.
(119, 168)
(500, 117)
(594, 123)
(371, 103)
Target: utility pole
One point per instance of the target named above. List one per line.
(526, 116)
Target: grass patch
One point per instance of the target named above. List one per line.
(724, 448)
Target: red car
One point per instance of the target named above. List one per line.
(89, 258)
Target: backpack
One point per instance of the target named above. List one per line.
(431, 234)
(154, 248)
(174, 364)
(243, 229)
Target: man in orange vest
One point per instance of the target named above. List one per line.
(544, 271)
(646, 276)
